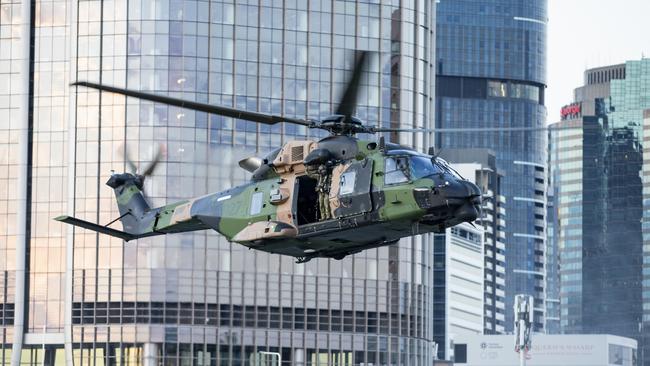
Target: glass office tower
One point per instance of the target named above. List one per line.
(597, 169)
(645, 230)
(73, 295)
(624, 163)
(491, 72)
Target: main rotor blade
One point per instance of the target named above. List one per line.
(349, 100)
(475, 129)
(269, 119)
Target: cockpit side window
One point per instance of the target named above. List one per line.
(396, 170)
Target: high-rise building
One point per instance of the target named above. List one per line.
(75, 296)
(623, 283)
(458, 284)
(579, 186)
(577, 173)
(480, 167)
(491, 72)
(645, 231)
(596, 174)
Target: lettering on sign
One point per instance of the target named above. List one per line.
(571, 111)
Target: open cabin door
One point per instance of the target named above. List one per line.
(350, 189)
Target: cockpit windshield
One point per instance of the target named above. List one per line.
(445, 165)
(401, 169)
(422, 167)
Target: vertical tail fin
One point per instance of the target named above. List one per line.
(138, 219)
(134, 210)
(135, 214)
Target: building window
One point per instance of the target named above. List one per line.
(497, 89)
(460, 353)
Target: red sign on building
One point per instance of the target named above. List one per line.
(571, 111)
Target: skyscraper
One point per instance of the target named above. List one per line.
(193, 297)
(645, 231)
(596, 168)
(624, 236)
(491, 72)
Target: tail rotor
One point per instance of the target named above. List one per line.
(151, 167)
(133, 168)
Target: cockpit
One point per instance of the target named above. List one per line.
(401, 169)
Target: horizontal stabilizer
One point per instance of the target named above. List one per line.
(98, 228)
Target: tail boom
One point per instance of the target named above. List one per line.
(138, 219)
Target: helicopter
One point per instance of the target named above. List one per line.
(307, 199)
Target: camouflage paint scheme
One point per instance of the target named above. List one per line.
(263, 213)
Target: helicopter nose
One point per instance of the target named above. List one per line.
(461, 195)
(473, 192)
(469, 211)
(462, 191)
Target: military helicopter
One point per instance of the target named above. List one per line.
(328, 198)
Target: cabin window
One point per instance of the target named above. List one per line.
(396, 170)
(256, 203)
(347, 183)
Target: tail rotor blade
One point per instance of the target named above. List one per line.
(152, 166)
(131, 165)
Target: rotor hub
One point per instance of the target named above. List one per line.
(338, 124)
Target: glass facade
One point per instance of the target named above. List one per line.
(619, 308)
(194, 297)
(552, 245)
(629, 98)
(597, 181)
(645, 231)
(33, 101)
(576, 164)
(11, 54)
(491, 72)
(577, 197)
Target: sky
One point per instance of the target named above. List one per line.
(589, 33)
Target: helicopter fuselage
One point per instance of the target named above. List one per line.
(376, 196)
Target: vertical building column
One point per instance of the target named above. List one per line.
(72, 152)
(299, 357)
(23, 170)
(150, 354)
